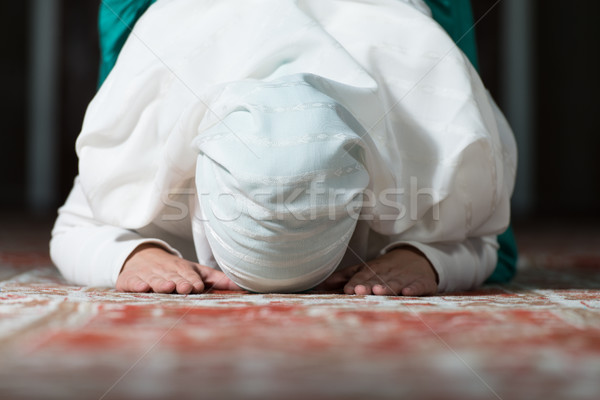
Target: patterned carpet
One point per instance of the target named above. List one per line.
(536, 338)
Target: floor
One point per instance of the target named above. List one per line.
(536, 338)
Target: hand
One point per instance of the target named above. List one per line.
(403, 271)
(150, 267)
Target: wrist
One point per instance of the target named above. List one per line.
(419, 256)
(144, 248)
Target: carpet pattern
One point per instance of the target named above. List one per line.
(536, 338)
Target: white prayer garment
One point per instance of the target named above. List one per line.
(223, 120)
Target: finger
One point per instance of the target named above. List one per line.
(134, 284)
(359, 282)
(382, 290)
(197, 284)
(182, 285)
(214, 279)
(191, 274)
(362, 289)
(418, 288)
(391, 287)
(337, 280)
(161, 285)
(379, 281)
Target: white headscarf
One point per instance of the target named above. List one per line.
(280, 182)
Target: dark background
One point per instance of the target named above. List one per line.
(559, 162)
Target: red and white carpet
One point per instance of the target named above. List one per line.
(536, 338)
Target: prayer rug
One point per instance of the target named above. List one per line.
(535, 338)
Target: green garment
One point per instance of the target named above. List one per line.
(117, 18)
(456, 17)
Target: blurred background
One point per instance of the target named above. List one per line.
(536, 57)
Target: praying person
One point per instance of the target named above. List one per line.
(281, 146)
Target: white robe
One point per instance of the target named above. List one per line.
(439, 135)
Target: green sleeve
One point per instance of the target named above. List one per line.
(117, 18)
(456, 17)
(506, 268)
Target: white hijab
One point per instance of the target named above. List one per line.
(280, 181)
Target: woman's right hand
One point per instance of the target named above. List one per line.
(151, 268)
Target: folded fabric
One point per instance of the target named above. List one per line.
(280, 182)
(439, 155)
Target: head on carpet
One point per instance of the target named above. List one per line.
(280, 180)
